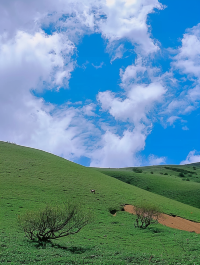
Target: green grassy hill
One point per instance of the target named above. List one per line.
(31, 178)
(181, 183)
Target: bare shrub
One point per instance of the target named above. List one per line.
(146, 215)
(53, 222)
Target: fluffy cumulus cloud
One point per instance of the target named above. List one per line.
(138, 102)
(30, 15)
(187, 62)
(188, 57)
(25, 15)
(29, 121)
(32, 61)
(142, 90)
(114, 19)
(134, 72)
(119, 151)
(154, 160)
(142, 72)
(27, 62)
(126, 19)
(35, 57)
(89, 110)
(193, 157)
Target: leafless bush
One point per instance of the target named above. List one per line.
(53, 222)
(146, 215)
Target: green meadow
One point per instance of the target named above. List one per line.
(180, 183)
(31, 179)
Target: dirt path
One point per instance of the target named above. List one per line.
(170, 221)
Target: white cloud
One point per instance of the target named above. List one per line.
(193, 157)
(98, 66)
(35, 59)
(187, 61)
(26, 62)
(127, 20)
(172, 119)
(88, 110)
(136, 106)
(181, 105)
(72, 17)
(142, 72)
(30, 122)
(116, 151)
(117, 53)
(115, 20)
(139, 100)
(188, 57)
(194, 93)
(120, 19)
(185, 128)
(153, 160)
(176, 105)
(24, 15)
(134, 72)
(31, 60)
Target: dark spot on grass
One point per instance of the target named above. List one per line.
(3, 246)
(112, 211)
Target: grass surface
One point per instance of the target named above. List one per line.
(181, 183)
(31, 178)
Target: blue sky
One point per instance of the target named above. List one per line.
(106, 83)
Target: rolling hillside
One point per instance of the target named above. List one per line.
(32, 178)
(181, 183)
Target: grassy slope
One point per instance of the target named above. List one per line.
(31, 178)
(165, 180)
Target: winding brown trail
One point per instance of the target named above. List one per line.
(173, 222)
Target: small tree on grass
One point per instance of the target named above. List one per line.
(53, 222)
(146, 215)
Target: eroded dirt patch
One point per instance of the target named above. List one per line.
(173, 222)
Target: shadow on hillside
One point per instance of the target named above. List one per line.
(72, 249)
(155, 230)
